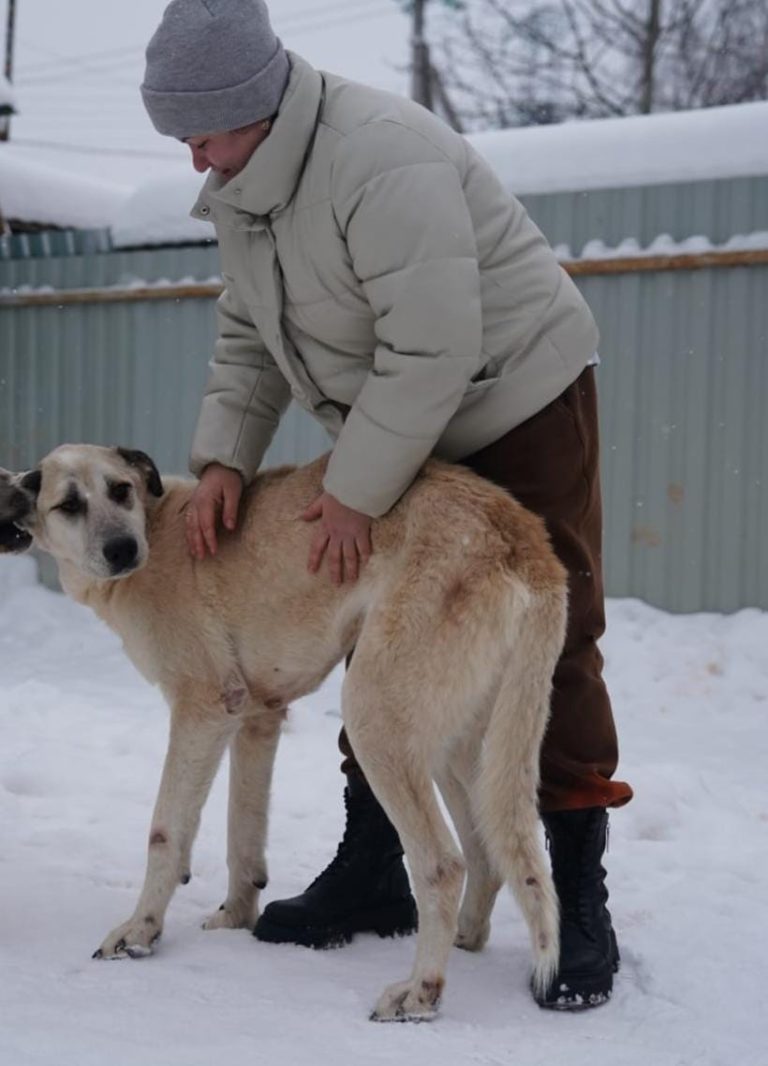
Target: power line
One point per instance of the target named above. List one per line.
(100, 64)
(102, 54)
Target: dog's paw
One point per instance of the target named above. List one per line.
(409, 1001)
(134, 939)
(472, 935)
(231, 916)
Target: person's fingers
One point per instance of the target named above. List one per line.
(194, 535)
(191, 531)
(317, 550)
(314, 511)
(364, 546)
(335, 565)
(231, 503)
(207, 522)
(350, 559)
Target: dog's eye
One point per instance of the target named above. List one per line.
(72, 505)
(120, 492)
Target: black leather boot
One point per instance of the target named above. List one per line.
(364, 889)
(589, 956)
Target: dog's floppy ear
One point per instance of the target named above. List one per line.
(31, 481)
(143, 463)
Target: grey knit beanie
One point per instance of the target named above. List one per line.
(213, 65)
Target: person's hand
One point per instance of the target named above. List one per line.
(343, 533)
(215, 499)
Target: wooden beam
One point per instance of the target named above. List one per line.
(210, 290)
(65, 297)
(640, 264)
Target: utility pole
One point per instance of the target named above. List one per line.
(449, 111)
(421, 68)
(9, 35)
(10, 29)
(650, 44)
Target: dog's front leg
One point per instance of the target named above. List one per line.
(198, 740)
(252, 757)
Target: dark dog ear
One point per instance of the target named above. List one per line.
(143, 463)
(32, 481)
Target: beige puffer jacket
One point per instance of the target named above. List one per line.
(376, 270)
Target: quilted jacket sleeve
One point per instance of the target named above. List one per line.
(245, 396)
(399, 201)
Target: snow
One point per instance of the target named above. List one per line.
(665, 245)
(82, 739)
(717, 142)
(157, 212)
(32, 192)
(603, 152)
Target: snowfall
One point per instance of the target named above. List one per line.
(82, 739)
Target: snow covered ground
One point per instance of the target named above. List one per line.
(82, 739)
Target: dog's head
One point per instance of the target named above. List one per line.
(86, 505)
(16, 506)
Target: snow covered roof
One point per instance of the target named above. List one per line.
(603, 153)
(33, 193)
(157, 212)
(716, 142)
(607, 153)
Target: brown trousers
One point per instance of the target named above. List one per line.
(551, 465)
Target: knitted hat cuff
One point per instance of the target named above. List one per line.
(192, 113)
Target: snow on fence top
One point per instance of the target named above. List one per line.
(715, 142)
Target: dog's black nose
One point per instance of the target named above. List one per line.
(121, 553)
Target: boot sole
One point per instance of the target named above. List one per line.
(398, 919)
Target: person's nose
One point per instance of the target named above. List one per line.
(199, 159)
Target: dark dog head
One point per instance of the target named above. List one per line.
(17, 505)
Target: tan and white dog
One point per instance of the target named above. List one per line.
(456, 622)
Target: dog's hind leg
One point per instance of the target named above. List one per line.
(504, 797)
(198, 739)
(399, 774)
(251, 758)
(483, 881)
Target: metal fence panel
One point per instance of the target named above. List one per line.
(684, 395)
(683, 383)
(717, 210)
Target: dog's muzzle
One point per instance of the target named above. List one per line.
(13, 539)
(122, 554)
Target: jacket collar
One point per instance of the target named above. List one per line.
(268, 181)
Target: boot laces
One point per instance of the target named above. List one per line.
(579, 880)
(345, 850)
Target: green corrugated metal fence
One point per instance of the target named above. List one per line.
(683, 382)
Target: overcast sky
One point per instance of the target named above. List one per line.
(78, 65)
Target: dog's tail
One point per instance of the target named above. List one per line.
(505, 796)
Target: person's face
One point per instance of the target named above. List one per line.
(226, 153)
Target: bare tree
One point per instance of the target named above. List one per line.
(518, 62)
